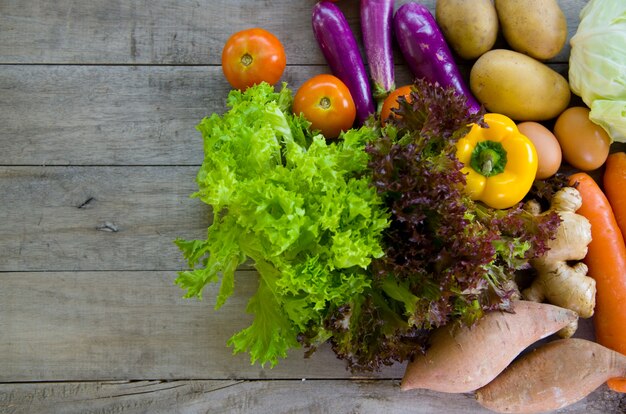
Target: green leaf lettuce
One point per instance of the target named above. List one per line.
(300, 208)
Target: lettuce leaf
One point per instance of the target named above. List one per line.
(299, 208)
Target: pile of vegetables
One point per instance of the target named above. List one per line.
(367, 243)
(391, 223)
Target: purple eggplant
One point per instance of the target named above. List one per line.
(376, 22)
(423, 46)
(335, 38)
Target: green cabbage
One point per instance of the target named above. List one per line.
(597, 66)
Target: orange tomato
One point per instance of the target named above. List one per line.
(391, 102)
(325, 101)
(252, 56)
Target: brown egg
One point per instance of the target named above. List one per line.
(547, 146)
(585, 145)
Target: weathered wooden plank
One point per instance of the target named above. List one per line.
(135, 325)
(97, 218)
(260, 397)
(61, 326)
(94, 115)
(85, 115)
(116, 115)
(164, 32)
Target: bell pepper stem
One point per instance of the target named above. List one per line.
(488, 158)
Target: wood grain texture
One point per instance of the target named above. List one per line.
(98, 104)
(68, 326)
(260, 397)
(114, 115)
(97, 218)
(118, 115)
(93, 115)
(166, 32)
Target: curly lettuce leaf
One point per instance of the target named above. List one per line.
(447, 258)
(271, 333)
(300, 208)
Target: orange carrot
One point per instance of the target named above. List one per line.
(606, 260)
(615, 187)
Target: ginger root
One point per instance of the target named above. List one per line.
(558, 282)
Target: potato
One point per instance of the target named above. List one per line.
(518, 86)
(471, 27)
(535, 27)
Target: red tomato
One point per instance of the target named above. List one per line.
(252, 56)
(391, 102)
(325, 101)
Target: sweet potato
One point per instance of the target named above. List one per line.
(552, 376)
(464, 359)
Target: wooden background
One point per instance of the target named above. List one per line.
(98, 153)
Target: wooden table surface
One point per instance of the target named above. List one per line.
(98, 153)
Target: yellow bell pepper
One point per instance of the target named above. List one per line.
(500, 162)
